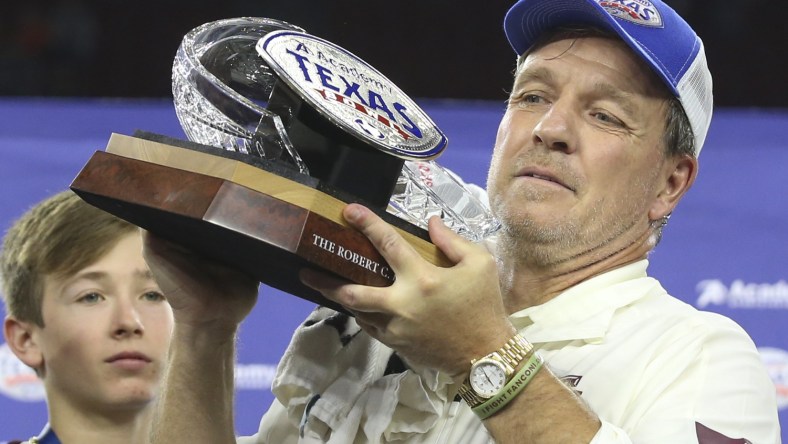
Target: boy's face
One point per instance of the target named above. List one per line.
(107, 331)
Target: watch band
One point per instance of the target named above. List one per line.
(513, 388)
(514, 352)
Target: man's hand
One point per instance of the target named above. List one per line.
(433, 316)
(204, 295)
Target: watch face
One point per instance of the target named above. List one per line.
(487, 378)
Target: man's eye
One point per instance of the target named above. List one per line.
(607, 118)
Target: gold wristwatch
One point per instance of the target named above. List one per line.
(490, 374)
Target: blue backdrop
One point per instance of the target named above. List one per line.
(725, 249)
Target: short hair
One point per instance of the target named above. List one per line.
(678, 137)
(57, 237)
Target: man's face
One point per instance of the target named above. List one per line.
(578, 153)
(107, 331)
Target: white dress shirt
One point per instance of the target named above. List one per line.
(654, 369)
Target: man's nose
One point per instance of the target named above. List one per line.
(555, 129)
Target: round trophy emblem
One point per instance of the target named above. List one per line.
(352, 94)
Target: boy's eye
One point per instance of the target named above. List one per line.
(527, 99)
(91, 298)
(153, 296)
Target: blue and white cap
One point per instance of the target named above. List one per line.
(651, 28)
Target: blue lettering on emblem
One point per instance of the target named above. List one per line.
(647, 13)
(325, 77)
(351, 90)
(377, 102)
(301, 59)
(411, 127)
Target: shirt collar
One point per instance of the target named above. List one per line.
(584, 312)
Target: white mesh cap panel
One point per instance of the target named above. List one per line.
(695, 93)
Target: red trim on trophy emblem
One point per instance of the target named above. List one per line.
(339, 98)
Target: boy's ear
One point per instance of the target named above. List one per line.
(23, 342)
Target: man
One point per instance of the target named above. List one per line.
(560, 336)
(85, 313)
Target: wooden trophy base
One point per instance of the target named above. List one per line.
(264, 220)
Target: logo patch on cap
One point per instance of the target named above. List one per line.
(640, 12)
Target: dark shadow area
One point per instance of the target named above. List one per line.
(431, 49)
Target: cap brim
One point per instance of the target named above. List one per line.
(527, 20)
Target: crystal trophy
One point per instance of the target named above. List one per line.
(284, 128)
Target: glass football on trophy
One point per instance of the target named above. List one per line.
(222, 90)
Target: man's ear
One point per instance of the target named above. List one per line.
(678, 175)
(22, 340)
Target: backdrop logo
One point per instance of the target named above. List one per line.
(641, 12)
(744, 295)
(18, 381)
(776, 362)
(254, 376)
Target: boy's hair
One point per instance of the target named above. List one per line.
(58, 237)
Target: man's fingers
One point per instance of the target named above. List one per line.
(356, 298)
(397, 251)
(454, 246)
(320, 281)
(375, 324)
